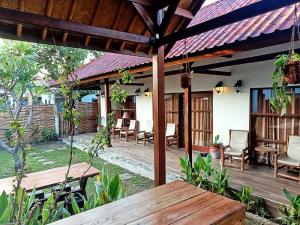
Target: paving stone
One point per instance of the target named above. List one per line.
(125, 176)
(48, 163)
(42, 160)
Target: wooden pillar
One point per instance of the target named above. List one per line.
(188, 145)
(107, 107)
(107, 99)
(159, 116)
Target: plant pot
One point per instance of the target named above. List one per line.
(185, 80)
(292, 72)
(215, 152)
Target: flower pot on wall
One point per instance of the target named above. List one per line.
(292, 72)
(185, 80)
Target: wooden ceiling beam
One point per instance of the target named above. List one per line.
(131, 26)
(20, 26)
(178, 12)
(242, 61)
(48, 13)
(240, 14)
(168, 17)
(70, 17)
(93, 22)
(115, 22)
(139, 45)
(178, 72)
(145, 17)
(43, 21)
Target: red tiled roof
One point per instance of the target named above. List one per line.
(267, 23)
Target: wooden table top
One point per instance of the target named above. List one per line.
(48, 178)
(176, 203)
(264, 149)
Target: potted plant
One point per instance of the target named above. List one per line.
(185, 80)
(286, 72)
(215, 149)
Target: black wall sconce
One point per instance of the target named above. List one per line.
(238, 86)
(219, 87)
(137, 92)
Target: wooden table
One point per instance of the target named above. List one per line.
(266, 149)
(176, 203)
(51, 177)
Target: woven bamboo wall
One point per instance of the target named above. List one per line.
(87, 117)
(43, 116)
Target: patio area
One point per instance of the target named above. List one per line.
(139, 159)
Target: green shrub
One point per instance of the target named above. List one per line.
(107, 190)
(290, 214)
(203, 175)
(23, 209)
(48, 135)
(253, 204)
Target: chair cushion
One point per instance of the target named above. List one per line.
(293, 150)
(119, 123)
(140, 135)
(149, 126)
(289, 161)
(171, 129)
(233, 152)
(239, 139)
(132, 125)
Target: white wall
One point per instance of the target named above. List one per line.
(143, 110)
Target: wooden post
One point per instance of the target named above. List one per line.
(159, 116)
(188, 145)
(107, 104)
(107, 99)
(99, 121)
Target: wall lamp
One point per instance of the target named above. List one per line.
(147, 93)
(137, 92)
(238, 86)
(219, 87)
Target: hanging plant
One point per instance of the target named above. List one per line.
(185, 80)
(283, 75)
(286, 72)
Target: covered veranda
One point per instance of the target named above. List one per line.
(140, 159)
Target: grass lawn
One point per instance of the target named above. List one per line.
(57, 153)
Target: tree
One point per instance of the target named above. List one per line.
(18, 70)
(61, 61)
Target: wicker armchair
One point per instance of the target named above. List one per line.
(147, 134)
(125, 132)
(117, 128)
(290, 160)
(236, 150)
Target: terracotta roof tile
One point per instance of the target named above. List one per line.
(263, 24)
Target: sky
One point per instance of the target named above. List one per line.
(208, 2)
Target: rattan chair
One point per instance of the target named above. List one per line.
(290, 159)
(238, 149)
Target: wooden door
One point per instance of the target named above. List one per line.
(202, 120)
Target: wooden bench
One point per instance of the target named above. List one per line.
(173, 203)
(49, 178)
